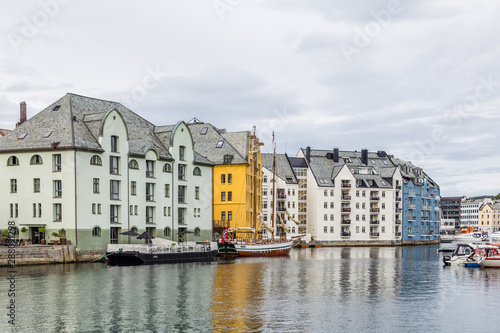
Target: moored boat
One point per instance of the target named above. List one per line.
(468, 237)
(468, 254)
(130, 254)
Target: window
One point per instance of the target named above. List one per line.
(357, 217)
(223, 196)
(167, 232)
(204, 130)
(331, 230)
(56, 162)
(230, 196)
(197, 171)
(150, 192)
(167, 168)
(228, 158)
(229, 178)
(223, 216)
(182, 171)
(363, 229)
(96, 232)
(331, 193)
(113, 235)
(131, 210)
(264, 191)
(95, 160)
(230, 216)
(357, 193)
(133, 165)
(94, 210)
(331, 217)
(383, 229)
(96, 185)
(114, 189)
(57, 212)
(325, 229)
(219, 144)
(197, 192)
(113, 213)
(182, 151)
(325, 193)
(357, 230)
(114, 144)
(332, 205)
(150, 169)
(47, 134)
(325, 204)
(197, 232)
(167, 190)
(223, 179)
(181, 213)
(36, 159)
(325, 217)
(13, 186)
(264, 179)
(13, 161)
(39, 210)
(133, 188)
(114, 163)
(363, 194)
(34, 210)
(150, 214)
(57, 188)
(181, 195)
(169, 211)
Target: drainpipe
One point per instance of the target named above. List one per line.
(172, 194)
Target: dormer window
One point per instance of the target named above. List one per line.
(47, 134)
(36, 159)
(228, 158)
(22, 136)
(57, 107)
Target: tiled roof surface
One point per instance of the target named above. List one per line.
(283, 167)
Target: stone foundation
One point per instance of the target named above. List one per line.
(45, 254)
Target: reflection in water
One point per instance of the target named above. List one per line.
(316, 290)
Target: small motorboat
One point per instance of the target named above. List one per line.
(469, 254)
(469, 237)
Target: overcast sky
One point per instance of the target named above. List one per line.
(418, 79)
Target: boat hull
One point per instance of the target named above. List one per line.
(227, 250)
(138, 258)
(490, 262)
(264, 250)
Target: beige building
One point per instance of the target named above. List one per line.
(489, 217)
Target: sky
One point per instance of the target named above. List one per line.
(417, 79)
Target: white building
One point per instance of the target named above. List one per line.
(286, 194)
(96, 169)
(351, 196)
(469, 211)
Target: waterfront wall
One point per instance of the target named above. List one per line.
(354, 243)
(46, 254)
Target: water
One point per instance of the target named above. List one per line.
(314, 290)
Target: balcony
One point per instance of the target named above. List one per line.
(374, 234)
(398, 187)
(397, 234)
(345, 234)
(280, 209)
(374, 210)
(281, 196)
(346, 185)
(412, 195)
(374, 222)
(399, 210)
(346, 209)
(412, 206)
(374, 198)
(398, 222)
(398, 198)
(412, 218)
(346, 221)
(346, 197)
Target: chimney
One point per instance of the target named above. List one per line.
(336, 155)
(22, 118)
(308, 154)
(364, 156)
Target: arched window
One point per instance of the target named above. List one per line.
(197, 171)
(134, 229)
(133, 165)
(197, 232)
(167, 168)
(36, 159)
(167, 232)
(95, 160)
(96, 232)
(13, 161)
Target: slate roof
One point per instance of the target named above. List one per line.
(325, 170)
(3, 132)
(297, 162)
(240, 141)
(206, 144)
(284, 169)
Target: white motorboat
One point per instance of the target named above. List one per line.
(469, 237)
(469, 254)
(495, 236)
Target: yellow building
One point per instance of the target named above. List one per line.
(489, 217)
(237, 175)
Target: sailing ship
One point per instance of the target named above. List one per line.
(256, 247)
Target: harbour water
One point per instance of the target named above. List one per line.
(380, 289)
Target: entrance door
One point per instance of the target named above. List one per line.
(113, 239)
(35, 235)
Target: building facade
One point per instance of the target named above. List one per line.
(489, 217)
(96, 169)
(450, 209)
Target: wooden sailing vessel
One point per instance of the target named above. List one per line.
(254, 247)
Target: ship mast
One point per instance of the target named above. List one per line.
(274, 186)
(254, 144)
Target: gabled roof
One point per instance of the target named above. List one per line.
(3, 132)
(209, 142)
(240, 141)
(76, 121)
(284, 169)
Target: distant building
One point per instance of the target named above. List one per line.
(96, 169)
(469, 211)
(489, 217)
(450, 209)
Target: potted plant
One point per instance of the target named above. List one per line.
(61, 234)
(42, 231)
(23, 232)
